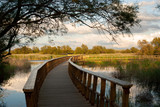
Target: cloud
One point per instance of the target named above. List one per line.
(145, 27)
(147, 3)
(79, 29)
(149, 17)
(150, 28)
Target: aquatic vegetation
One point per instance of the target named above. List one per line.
(10, 66)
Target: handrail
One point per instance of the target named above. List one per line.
(36, 78)
(82, 79)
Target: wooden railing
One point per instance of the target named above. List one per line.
(86, 82)
(36, 78)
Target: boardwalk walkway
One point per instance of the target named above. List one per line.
(59, 91)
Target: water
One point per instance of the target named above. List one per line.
(140, 96)
(11, 93)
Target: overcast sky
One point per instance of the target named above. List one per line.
(150, 28)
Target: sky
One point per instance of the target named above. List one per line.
(76, 36)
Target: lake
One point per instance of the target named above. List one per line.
(11, 90)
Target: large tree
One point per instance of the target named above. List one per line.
(145, 47)
(32, 18)
(156, 44)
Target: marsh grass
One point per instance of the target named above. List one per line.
(145, 70)
(35, 56)
(118, 56)
(6, 71)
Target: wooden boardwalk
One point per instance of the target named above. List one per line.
(59, 91)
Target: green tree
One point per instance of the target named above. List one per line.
(35, 49)
(66, 49)
(39, 17)
(16, 51)
(46, 49)
(54, 50)
(110, 51)
(59, 51)
(134, 50)
(126, 51)
(25, 50)
(98, 50)
(84, 49)
(78, 50)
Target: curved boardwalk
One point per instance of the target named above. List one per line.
(59, 91)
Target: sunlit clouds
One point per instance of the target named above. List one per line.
(76, 36)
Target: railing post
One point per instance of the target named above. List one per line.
(125, 97)
(84, 83)
(112, 94)
(92, 100)
(102, 94)
(30, 101)
(88, 86)
(80, 79)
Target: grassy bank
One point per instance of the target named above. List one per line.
(117, 56)
(35, 56)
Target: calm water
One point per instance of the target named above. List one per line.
(149, 98)
(11, 93)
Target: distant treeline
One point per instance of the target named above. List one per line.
(68, 50)
(145, 48)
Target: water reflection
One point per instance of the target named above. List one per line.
(11, 94)
(140, 95)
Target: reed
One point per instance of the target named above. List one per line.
(35, 56)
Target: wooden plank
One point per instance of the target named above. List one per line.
(59, 91)
(88, 86)
(112, 94)
(125, 97)
(102, 94)
(93, 95)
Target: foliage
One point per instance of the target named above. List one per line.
(147, 70)
(134, 50)
(84, 49)
(98, 50)
(126, 51)
(156, 44)
(78, 50)
(145, 48)
(35, 56)
(35, 49)
(33, 18)
(130, 69)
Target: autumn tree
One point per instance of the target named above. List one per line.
(34, 18)
(156, 44)
(145, 48)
